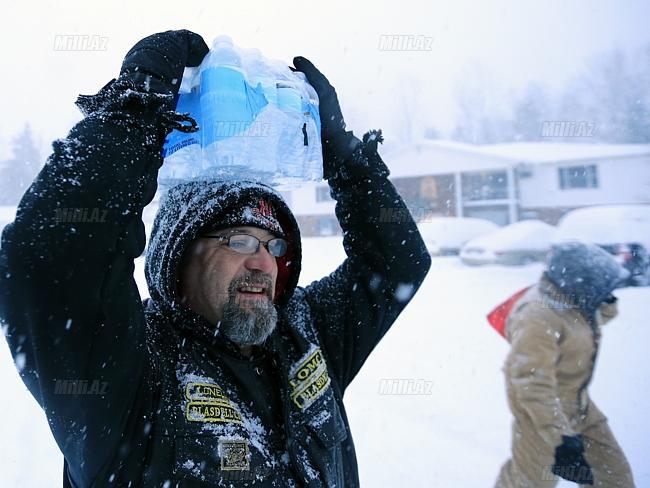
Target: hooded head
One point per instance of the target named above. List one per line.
(191, 210)
(585, 272)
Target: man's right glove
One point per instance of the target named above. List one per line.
(570, 462)
(156, 63)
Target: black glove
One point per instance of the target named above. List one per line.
(609, 299)
(156, 63)
(570, 462)
(338, 145)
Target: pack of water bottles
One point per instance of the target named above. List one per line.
(257, 120)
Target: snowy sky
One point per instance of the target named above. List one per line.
(512, 41)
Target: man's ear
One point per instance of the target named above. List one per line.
(178, 272)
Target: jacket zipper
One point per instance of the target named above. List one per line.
(596, 337)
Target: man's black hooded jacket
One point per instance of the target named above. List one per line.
(172, 402)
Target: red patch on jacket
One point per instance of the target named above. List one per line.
(497, 317)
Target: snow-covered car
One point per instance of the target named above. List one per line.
(622, 230)
(523, 242)
(446, 235)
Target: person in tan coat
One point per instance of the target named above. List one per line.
(554, 332)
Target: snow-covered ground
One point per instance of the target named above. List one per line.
(458, 434)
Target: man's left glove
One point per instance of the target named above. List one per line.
(338, 144)
(156, 63)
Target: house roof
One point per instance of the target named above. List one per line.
(430, 157)
(541, 152)
(441, 157)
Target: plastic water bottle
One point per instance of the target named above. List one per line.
(262, 139)
(182, 151)
(229, 106)
(292, 136)
(313, 152)
(222, 94)
(260, 73)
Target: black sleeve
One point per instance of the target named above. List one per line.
(387, 261)
(68, 301)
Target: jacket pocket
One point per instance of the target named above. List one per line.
(215, 459)
(327, 428)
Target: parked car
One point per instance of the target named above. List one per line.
(446, 235)
(523, 242)
(622, 230)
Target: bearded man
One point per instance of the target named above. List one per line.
(230, 374)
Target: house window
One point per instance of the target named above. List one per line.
(323, 194)
(485, 185)
(578, 177)
(326, 227)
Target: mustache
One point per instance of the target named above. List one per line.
(254, 277)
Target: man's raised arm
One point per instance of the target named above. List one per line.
(387, 260)
(68, 301)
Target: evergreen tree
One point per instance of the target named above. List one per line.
(18, 172)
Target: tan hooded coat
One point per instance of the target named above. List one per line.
(547, 371)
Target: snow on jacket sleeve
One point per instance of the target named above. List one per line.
(530, 371)
(68, 301)
(387, 261)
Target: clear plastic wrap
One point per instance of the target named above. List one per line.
(257, 120)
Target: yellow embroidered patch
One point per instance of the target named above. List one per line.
(205, 392)
(208, 403)
(210, 412)
(309, 379)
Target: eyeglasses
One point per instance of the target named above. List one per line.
(247, 244)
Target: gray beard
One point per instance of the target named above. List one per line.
(248, 325)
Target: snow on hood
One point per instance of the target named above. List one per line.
(584, 271)
(188, 209)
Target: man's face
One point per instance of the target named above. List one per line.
(231, 289)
